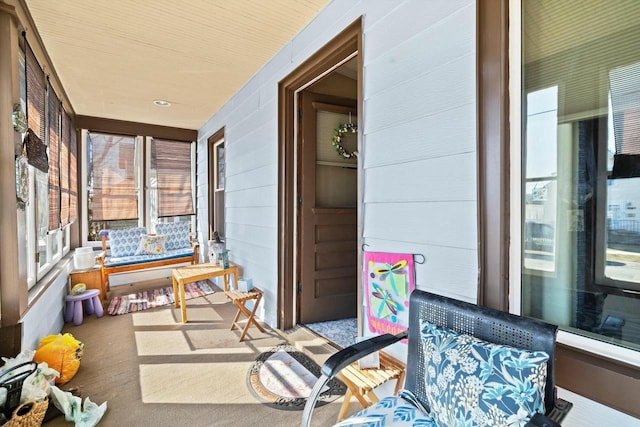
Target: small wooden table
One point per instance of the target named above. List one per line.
(195, 272)
(239, 299)
(362, 382)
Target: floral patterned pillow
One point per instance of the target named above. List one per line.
(470, 382)
(151, 245)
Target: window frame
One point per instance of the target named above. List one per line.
(59, 238)
(151, 191)
(516, 266)
(143, 177)
(213, 142)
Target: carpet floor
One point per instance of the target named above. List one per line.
(152, 370)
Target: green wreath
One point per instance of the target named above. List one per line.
(337, 140)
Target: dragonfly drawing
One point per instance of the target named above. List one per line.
(386, 304)
(396, 274)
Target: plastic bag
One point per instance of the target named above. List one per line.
(62, 353)
(88, 414)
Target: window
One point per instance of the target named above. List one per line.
(171, 177)
(581, 169)
(114, 171)
(216, 183)
(49, 210)
(112, 182)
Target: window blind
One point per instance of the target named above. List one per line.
(65, 207)
(625, 102)
(73, 169)
(172, 162)
(36, 87)
(54, 159)
(113, 194)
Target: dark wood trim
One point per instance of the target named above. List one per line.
(10, 340)
(339, 48)
(211, 155)
(607, 381)
(493, 152)
(98, 124)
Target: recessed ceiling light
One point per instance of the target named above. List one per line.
(162, 103)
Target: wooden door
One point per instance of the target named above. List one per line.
(327, 192)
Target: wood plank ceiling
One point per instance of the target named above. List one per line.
(115, 57)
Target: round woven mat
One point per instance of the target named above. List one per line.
(276, 380)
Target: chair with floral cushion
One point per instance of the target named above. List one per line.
(466, 365)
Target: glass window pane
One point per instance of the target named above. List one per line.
(581, 168)
(42, 215)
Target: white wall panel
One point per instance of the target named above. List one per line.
(265, 196)
(405, 22)
(45, 317)
(450, 224)
(445, 133)
(418, 127)
(259, 177)
(336, 15)
(441, 179)
(448, 86)
(402, 64)
(260, 237)
(260, 216)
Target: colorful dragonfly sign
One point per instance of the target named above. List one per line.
(389, 280)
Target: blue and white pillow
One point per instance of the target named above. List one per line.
(151, 245)
(470, 382)
(177, 234)
(125, 242)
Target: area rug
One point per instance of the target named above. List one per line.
(283, 377)
(155, 298)
(341, 332)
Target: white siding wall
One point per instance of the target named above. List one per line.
(419, 143)
(45, 317)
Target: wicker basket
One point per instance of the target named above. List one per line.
(29, 414)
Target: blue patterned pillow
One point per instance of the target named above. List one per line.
(472, 382)
(177, 234)
(125, 242)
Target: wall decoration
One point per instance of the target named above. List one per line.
(22, 181)
(19, 119)
(336, 140)
(389, 280)
(36, 151)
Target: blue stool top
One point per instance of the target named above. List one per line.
(89, 293)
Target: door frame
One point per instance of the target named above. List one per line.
(337, 51)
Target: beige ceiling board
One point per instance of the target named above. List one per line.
(114, 57)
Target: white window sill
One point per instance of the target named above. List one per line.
(588, 413)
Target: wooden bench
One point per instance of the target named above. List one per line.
(109, 265)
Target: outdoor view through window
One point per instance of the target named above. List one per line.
(581, 168)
